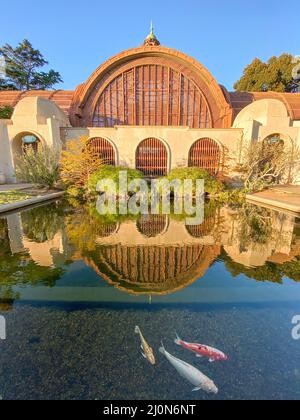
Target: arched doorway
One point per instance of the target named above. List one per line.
(24, 142)
(274, 140)
(104, 149)
(206, 154)
(152, 158)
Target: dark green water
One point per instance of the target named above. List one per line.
(73, 286)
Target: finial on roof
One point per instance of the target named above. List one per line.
(152, 29)
(151, 39)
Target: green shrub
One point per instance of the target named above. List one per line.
(39, 167)
(6, 112)
(211, 185)
(110, 172)
(75, 192)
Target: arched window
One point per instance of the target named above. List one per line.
(104, 149)
(152, 158)
(206, 154)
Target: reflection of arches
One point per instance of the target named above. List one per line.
(104, 149)
(152, 269)
(152, 225)
(152, 157)
(206, 154)
(105, 230)
(206, 228)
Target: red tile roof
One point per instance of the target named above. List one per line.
(237, 100)
(240, 100)
(62, 98)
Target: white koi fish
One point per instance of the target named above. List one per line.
(147, 351)
(190, 373)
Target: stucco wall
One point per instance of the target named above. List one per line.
(266, 117)
(44, 119)
(6, 162)
(178, 141)
(31, 115)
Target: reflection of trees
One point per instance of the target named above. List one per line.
(85, 225)
(20, 269)
(269, 272)
(7, 298)
(41, 225)
(255, 226)
(3, 233)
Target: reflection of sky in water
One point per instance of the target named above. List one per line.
(72, 297)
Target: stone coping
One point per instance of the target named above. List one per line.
(5, 208)
(276, 202)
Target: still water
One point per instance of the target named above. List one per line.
(73, 287)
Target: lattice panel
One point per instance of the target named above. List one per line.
(152, 95)
(206, 154)
(104, 149)
(152, 158)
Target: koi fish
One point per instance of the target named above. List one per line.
(147, 351)
(201, 350)
(190, 373)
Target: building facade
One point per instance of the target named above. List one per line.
(151, 108)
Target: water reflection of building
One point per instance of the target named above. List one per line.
(50, 252)
(157, 254)
(152, 269)
(277, 245)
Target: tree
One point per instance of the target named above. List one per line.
(22, 64)
(78, 162)
(6, 112)
(277, 75)
(269, 162)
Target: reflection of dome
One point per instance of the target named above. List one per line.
(152, 225)
(152, 269)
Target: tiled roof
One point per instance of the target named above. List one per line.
(240, 100)
(62, 98)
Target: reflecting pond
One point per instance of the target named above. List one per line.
(74, 285)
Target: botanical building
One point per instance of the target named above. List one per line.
(153, 108)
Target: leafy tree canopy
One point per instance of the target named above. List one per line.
(6, 112)
(279, 74)
(22, 67)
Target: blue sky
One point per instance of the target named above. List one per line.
(77, 36)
